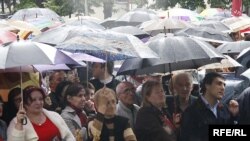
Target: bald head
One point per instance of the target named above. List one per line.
(182, 84)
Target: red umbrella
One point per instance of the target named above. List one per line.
(7, 36)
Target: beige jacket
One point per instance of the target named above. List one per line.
(29, 134)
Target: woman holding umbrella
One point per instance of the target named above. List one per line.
(35, 123)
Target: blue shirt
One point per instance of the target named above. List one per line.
(212, 108)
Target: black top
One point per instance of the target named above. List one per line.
(98, 84)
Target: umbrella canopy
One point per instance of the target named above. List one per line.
(181, 14)
(83, 57)
(6, 36)
(62, 33)
(227, 62)
(210, 12)
(22, 25)
(233, 48)
(217, 25)
(108, 46)
(167, 23)
(237, 23)
(145, 10)
(246, 74)
(175, 53)
(31, 13)
(206, 33)
(131, 30)
(21, 53)
(90, 24)
(36, 68)
(89, 18)
(137, 17)
(244, 54)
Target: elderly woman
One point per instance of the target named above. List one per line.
(73, 114)
(33, 123)
(107, 126)
(152, 122)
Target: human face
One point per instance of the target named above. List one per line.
(58, 77)
(78, 100)
(157, 97)
(97, 70)
(183, 86)
(35, 103)
(111, 105)
(127, 94)
(216, 89)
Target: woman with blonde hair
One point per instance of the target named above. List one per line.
(107, 126)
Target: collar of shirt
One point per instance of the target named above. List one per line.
(212, 108)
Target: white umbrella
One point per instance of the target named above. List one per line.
(21, 53)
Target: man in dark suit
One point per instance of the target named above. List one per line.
(207, 110)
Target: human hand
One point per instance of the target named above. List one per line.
(21, 114)
(90, 105)
(233, 107)
(176, 119)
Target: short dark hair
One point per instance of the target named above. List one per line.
(110, 66)
(88, 86)
(28, 90)
(147, 88)
(72, 90)
(208, 79)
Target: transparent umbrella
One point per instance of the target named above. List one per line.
(108, 46)
(175, 53)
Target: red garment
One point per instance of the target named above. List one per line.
(47, 131)
(236, 8)
(81, 115)
(167, 122)
(1, 139)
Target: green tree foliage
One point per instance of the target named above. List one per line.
(164, 4)
(220, 3)
(140, 3)
(192, 4)
(67, 7)
(189, 4)
(25, 4)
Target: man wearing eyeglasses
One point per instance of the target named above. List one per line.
(126, 98)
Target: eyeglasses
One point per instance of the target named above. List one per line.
(129, 90)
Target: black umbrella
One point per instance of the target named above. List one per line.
(205, 33)
(233, 48)
(175, 53)
(217, 25)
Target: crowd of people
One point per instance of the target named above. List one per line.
(107, 109)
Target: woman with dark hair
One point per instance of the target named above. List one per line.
(157, 126)
(11, 107)
(74, 114)
(32, 122)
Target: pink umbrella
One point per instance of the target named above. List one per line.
(7, 36)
